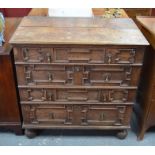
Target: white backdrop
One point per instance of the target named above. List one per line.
(70, 12)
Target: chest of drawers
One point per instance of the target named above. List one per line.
(77, 73)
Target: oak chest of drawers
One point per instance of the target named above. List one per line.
(77, 73)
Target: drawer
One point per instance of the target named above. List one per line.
(41, 75)
(76, 95)
(78, 75)
(106, 55)
(82, 115)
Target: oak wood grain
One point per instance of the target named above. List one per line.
(94, 31)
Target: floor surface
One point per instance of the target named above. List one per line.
(78, 138)
(74, 138)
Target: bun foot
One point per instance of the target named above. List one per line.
(122, 134)
(30, 133)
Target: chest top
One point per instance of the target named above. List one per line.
(89, 31)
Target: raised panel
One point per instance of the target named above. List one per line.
(79, 55)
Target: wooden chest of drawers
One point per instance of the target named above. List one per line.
(77, 73)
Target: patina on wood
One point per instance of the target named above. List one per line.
(93, 31)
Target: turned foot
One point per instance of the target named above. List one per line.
(30, 133)
(122, 134)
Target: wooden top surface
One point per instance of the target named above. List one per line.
(148, 23)
(93, 31)
(10, 26)
(148, 28)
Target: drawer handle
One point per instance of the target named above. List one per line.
(51, 115)
(44, 95)
(77, 69)
(50, 77)
(109, 55)
(49, 58)
(107, 77)
(30, 98)
(51, 96)
(102, 116)
(25, 54)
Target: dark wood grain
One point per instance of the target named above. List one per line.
(134, 12)
(145, 108)
(10, 116)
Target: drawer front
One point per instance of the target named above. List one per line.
(105, 55)
(78, 75)
(76, 95)
(41, 75)
(83, 115)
